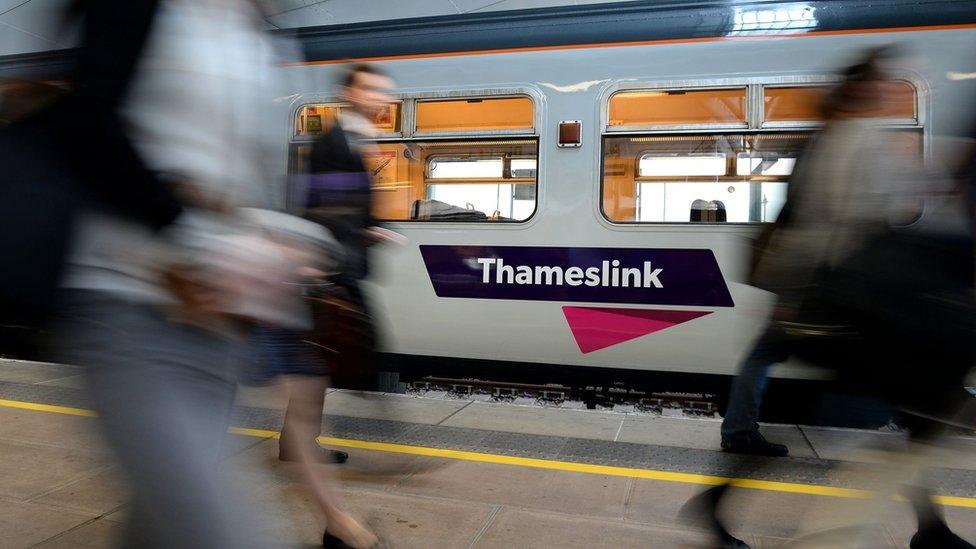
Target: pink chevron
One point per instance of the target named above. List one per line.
(596, 328)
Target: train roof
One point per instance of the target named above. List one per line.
(586, 25)
(621, 22)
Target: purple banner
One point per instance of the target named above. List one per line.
(650, 276)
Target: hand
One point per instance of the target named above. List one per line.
(197, 293)
(379, 235)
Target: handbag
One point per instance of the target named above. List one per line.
(344, 331)
(918, 285)
(911, 299)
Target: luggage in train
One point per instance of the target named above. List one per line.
(441, 211)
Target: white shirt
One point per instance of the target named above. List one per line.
(196, 108)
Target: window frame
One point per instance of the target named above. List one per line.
(915, 122)
(428, 179)
(407, 134)
(755, 113)
(536, 122)
(644, 128)
(697, 177)
(332, 101)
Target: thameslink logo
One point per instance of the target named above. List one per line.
(658, 276)
(609, 274)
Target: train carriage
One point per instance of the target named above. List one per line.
(580, 185)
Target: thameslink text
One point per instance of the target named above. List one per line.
(609, 274)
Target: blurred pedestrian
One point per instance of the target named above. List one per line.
(54, 144)
(156, 306)
(339, 196)
(290, 357)
(855, 275)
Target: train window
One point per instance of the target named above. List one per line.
(739, 178)
(902, 103)
(493, 180)
(458, 159)
(654, 173)
(803, 103)
(474, 180)
(315, 119)
(20, 98)
(465, 168)
(793, 103)
(475, 115)
(726, 107)
(658, 165)
(753, 164)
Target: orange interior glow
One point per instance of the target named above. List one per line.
(666, 108)
(507, 113)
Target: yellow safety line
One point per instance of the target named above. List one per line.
(258, 433)
(549, 464)
(46, 408)
(594, 469)
(955, 501)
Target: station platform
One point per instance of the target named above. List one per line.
(434, 471)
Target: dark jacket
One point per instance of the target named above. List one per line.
(340, 198)
(75, 151)
(114, 35)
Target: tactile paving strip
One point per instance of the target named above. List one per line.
(954, 482)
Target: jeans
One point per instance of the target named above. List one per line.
(741, 420)
(164, 393)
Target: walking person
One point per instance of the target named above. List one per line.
(339, 197)
(290, 358)
(837, 307)
(157, 312)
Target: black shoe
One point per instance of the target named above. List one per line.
(702, 511)
(732, 543)
(754, 445)
(331, 542)
(938, 536)
(326, 456)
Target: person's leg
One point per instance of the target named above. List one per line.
(932, 529)
(740, 434)
(740, 426)
(303, 416)
(287, 353)
(932, 532)
(164, 393)
(304, 421)
(703, 511)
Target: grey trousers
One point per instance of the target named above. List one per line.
(163, 392)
